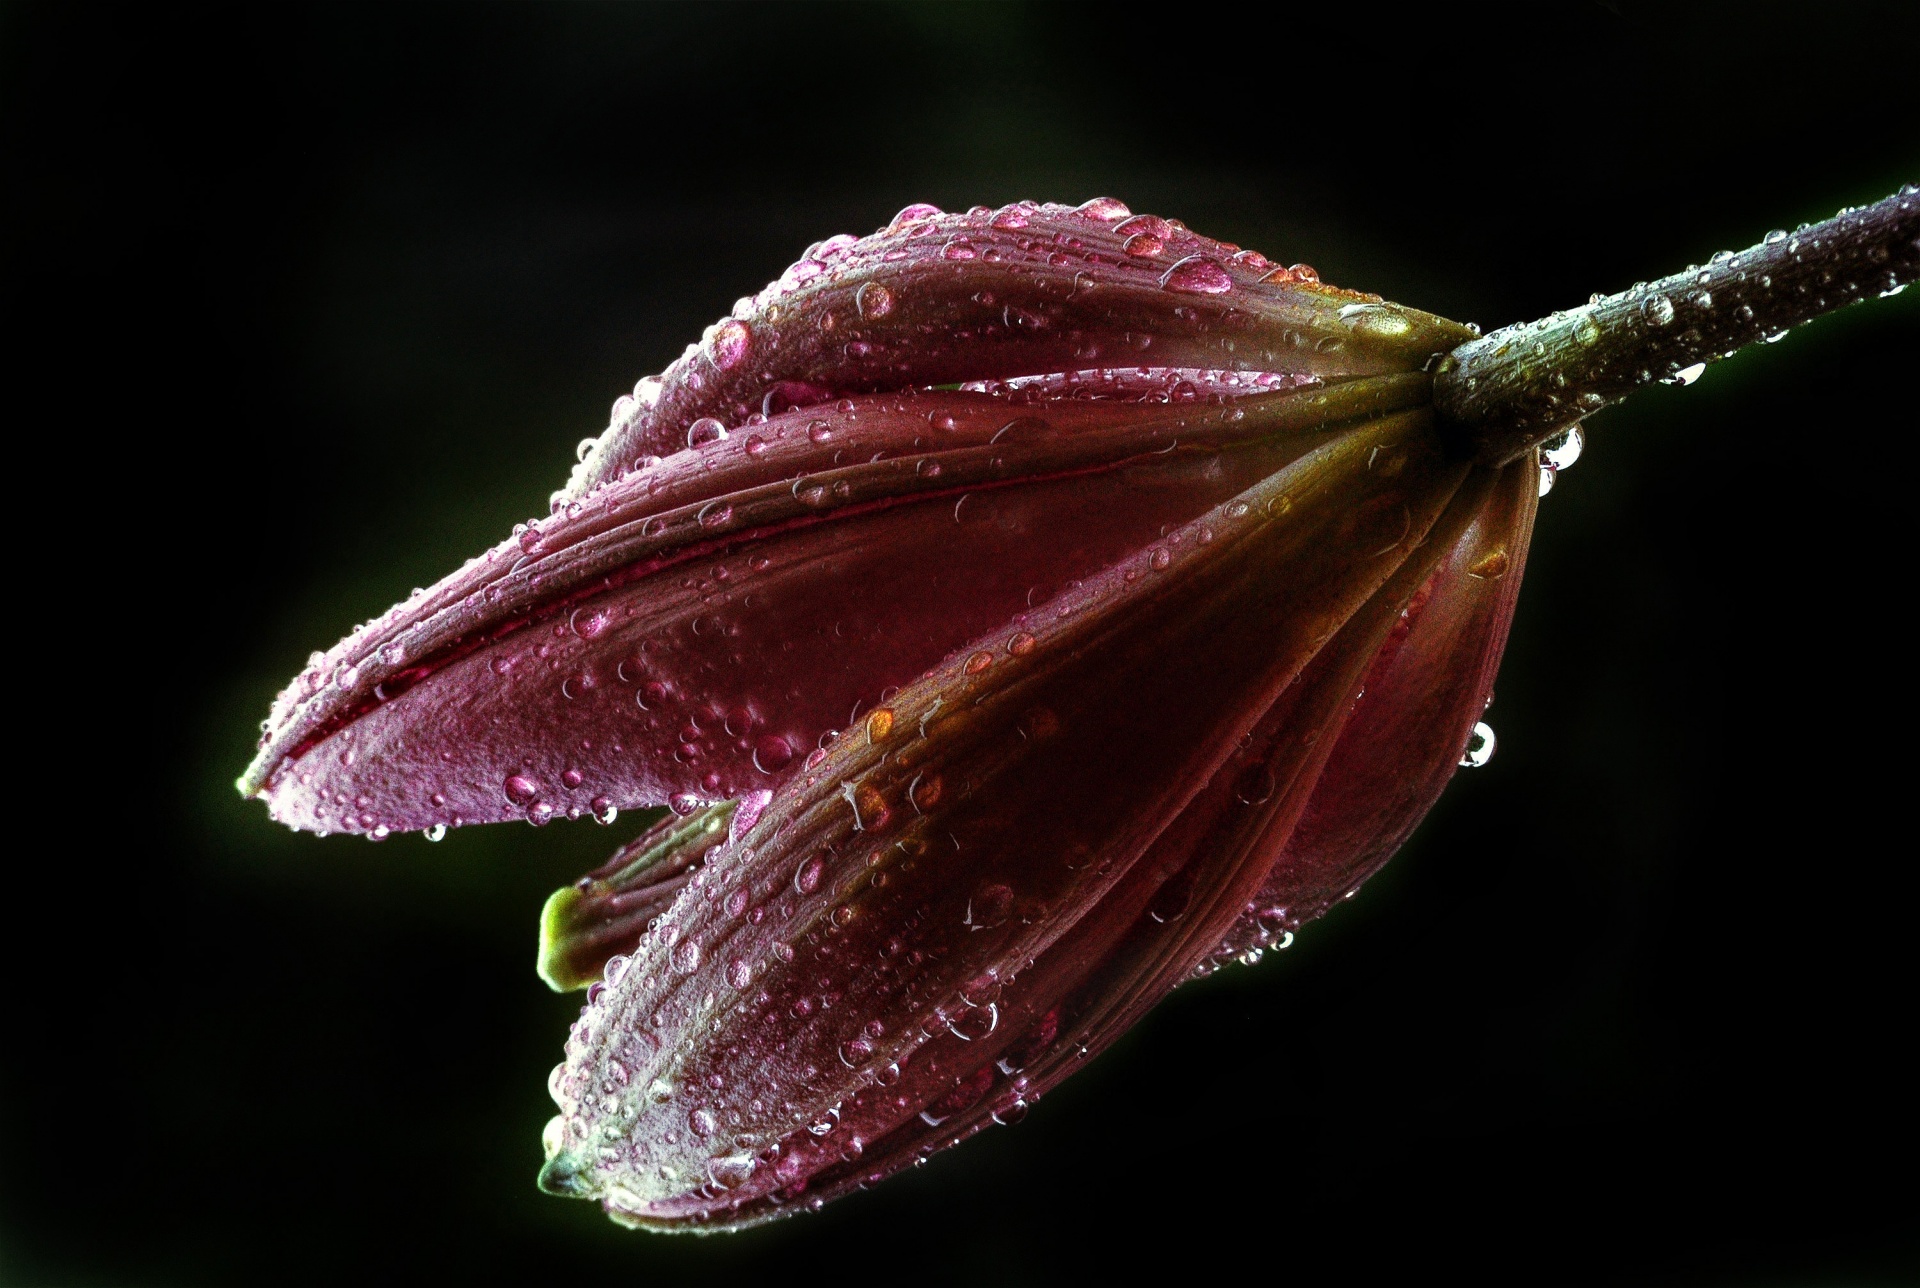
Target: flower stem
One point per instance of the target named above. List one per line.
(1523, 384)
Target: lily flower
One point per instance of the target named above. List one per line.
(997, 684)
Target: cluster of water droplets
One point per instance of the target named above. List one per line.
(1559, 453)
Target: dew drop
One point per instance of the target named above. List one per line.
(729, 344)
(686, 957)
(1254, 786)
(1657, 310)
(1105, 209)
(1197, 275)
(918, 212)
(1480, 744)
(1491, 566)
(704, 431)
(989, 906)
(772, 754)
(874, 301)
(732, 1171)
(1562, 450)
(808, 878)
(521, 790)
(975, 1022)
(438, 832)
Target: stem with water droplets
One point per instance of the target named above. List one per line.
(1521, 385)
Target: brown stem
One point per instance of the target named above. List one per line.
(1508, 391)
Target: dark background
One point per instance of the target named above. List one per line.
(310, 304)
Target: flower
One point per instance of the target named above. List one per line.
(997, 683)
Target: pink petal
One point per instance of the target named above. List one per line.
(1046, 823)
(1029, 290)
(691, 634)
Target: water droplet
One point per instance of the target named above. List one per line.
(918, 212)
(729, 344)
(959, 248)
(702, 1122)
(739, 973)
(1491, 566)
(686, 957)
(603, 810)
(1480, 744)
(879, 725)
(874, 301)
(979, 662)
(819, 431)
(715, 514)
(1546, 479)
(1020, 645)
(1687, 375)
(975, 1022)
(1380, 321)
(572, 778)
(1105, 209)
(808, 878)
(732, 1171)
(705, 430)
(521, 790)
(438, 832)
(855, 1053)
(1197, 275)
(1586, 331)
(924, 792)
(1563, 449)
(772, 754)
(1657, 310)
(684, 803)
(585, 446)
(1254, 786)
(989, 906)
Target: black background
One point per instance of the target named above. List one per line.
(308, 305)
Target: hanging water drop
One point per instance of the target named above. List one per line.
(1480, 744)
(1562, 450)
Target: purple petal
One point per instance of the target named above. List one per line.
(693, 633)
(1028, 290)
(1049, 824)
